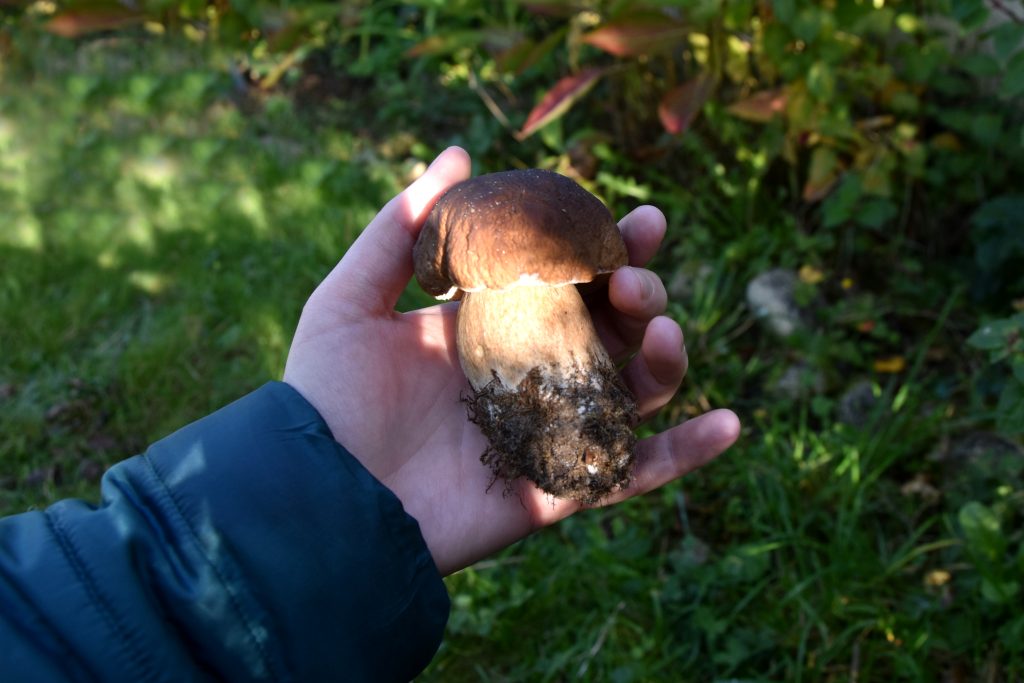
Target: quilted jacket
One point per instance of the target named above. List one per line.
(248, 546)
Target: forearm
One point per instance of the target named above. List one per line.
(247, 546)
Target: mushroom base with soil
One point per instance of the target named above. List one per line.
(546, 395)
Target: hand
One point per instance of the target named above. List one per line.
(388, 384)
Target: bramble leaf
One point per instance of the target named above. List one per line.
(681, 105)
(637, 36)
(761, 107)
(558, 100)
(823, 174)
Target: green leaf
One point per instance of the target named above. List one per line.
(984, 536)
(987, 128)
(970, 14)
(706, 621)
(839, 206)
(980, 65)
(998, 590)
(925, 61)
(625, 186)
(998, 239)
(775, 42)
(550, 8)
(876, 213)
(1010, 410)
(996, 335)
(443, 43)
(807, 26)
(524, 55)
(738, 13)
(821, 81)
(1006, 39)
(908, 23)
(784, 10)
(1012, 632)
(822, 407)
(1013, 79)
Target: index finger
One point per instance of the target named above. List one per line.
(642, 230)
(376, 268)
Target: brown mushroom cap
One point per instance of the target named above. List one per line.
(496, 230)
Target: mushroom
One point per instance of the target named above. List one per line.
(545, 394)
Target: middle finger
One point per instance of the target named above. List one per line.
(635, 297)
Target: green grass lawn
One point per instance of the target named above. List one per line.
(157, 246)
(160, 229)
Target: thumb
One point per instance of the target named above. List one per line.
(378, 265)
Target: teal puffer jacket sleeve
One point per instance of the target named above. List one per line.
(248, 546)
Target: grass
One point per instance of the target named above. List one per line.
(160, 233)
(158, 246)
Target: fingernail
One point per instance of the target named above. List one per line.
(682, 342)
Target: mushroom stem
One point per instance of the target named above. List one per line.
(546, 394)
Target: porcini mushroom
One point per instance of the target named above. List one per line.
(546, 395)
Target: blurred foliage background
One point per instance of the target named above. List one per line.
(845, 253)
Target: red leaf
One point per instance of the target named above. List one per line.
(761, 107)
(558, 100)
(636, 36)
(681, 105)
(79, 22)
(822, 175)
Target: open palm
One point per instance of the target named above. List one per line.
(389, 384)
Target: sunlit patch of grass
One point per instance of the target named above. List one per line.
(157, 245)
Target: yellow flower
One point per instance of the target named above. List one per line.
(891, 364)
(811, 275)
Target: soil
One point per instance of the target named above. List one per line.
(572, 437)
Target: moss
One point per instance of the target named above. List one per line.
(571, 436)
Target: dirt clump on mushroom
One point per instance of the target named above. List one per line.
(573, 441)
